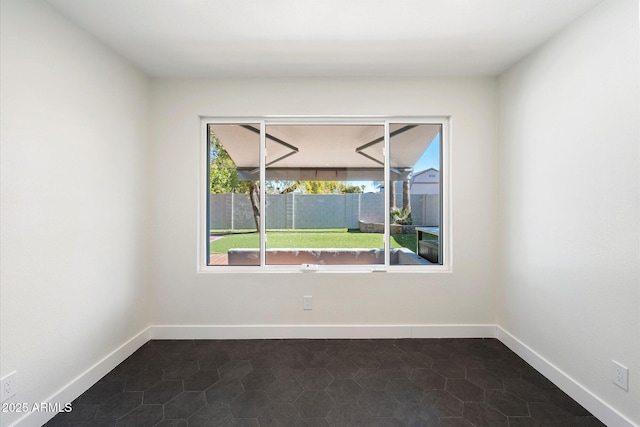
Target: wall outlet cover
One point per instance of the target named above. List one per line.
(620, 375)
(8, 386)
(307, 302)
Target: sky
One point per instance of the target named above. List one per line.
(431, 157)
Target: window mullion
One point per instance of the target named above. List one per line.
(207, 194)
(387, 177)
(263, 201)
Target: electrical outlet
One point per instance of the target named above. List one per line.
(620, 375)
(8, 386)
(307, 302)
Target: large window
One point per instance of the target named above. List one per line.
(314, 194)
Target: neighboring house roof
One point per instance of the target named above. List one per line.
(417, 174)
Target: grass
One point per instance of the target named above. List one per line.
(285, 230)
(232, 231)
(323, 238)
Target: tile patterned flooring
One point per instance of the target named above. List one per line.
(402, 382)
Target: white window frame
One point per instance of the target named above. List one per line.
(446, 240)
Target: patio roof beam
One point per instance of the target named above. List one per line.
(370, 157)
(293, 148)
(273, 138)
(391, 135)
(281, 158)
(360, 149)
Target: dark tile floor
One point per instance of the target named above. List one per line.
(403, 382)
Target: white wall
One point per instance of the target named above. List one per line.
(570, 239)
(74, 200)
(181, 296)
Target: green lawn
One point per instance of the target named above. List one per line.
(325, 238)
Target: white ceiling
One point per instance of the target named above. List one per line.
(287, 38)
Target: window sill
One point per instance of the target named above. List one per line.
(332, 269)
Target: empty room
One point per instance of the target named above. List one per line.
(304, 213)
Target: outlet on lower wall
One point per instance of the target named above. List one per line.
(307, 302)
(620, 375)
(8, 386)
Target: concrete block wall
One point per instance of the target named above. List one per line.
(304, 211)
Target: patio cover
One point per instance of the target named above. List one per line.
(326, 152)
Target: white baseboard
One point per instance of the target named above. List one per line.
(84, 381)
(453, 331)
(320, 331)
(574, 389)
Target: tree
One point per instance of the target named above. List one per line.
(281, 186)
(406, 195)
(400, 215)
(253, 190)
(311, 187)
(321, 187)
(392, 195)
(345, 188)
(223, 177)
(330, 187)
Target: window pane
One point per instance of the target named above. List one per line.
(233, 210)
(324, 203)
(415, 188)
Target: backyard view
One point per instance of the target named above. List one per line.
(321, 206)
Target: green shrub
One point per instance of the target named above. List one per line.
(401, 216)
